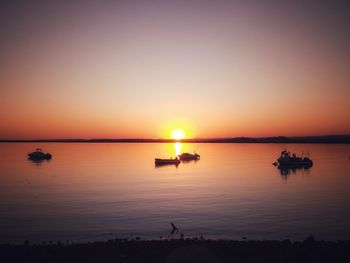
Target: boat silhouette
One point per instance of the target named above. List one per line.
(160, 162)
(188, 156)
(39, 155)
(288, 160)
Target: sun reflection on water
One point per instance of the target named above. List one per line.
(178, 147)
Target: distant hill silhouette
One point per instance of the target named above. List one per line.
(276, 139)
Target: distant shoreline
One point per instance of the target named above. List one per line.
(327, 139)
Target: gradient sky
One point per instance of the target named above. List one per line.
(122, 69)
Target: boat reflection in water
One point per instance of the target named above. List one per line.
(286, 171)
(39, 162)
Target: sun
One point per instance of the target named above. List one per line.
(178, 134)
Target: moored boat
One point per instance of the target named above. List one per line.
(288, 160)
(39, 155)
(188, 156)
(159, 162)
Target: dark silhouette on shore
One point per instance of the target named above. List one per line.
(181, 250)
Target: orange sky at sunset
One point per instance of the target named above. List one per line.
(137, 69)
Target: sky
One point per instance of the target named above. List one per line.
(140, 69)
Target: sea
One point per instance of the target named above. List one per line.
(101, 191)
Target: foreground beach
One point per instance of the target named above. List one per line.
(189, 250)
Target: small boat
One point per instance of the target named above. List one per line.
(188, 156)
(288, 160)
(39, 155)
(159, 162)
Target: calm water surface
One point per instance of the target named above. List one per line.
(100, 191)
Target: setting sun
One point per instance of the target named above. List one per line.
(178, 134)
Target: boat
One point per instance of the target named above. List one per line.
(39, 155)
(188, 156)
(288, 160)
(159, 162)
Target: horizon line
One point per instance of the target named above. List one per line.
(330, 138)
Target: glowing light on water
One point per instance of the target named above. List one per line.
(178, 147)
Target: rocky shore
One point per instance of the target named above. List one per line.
(185, 250)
